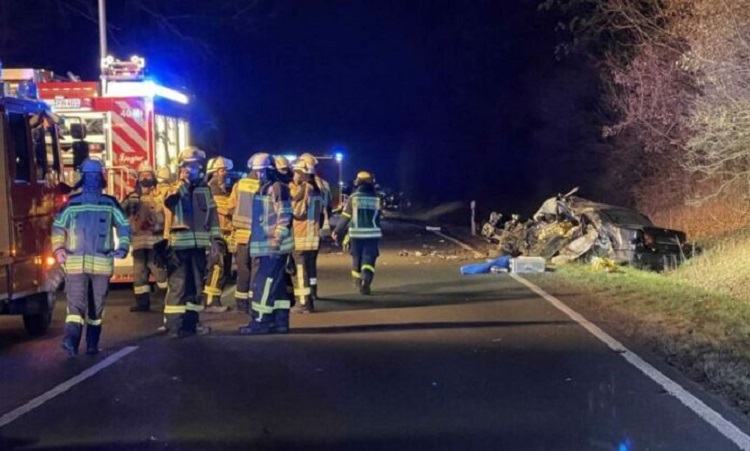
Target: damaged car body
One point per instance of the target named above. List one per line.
(570, 228)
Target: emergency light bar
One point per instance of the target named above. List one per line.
(144, 89)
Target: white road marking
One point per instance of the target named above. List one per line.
(65, 386)
(709, 415)
(453, 240)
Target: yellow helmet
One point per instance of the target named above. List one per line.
(164, 174)
(304, 167)
(282, 163)
(191, 154)
(145, 167)
(214, 164)
(364, 177)
(309, 159)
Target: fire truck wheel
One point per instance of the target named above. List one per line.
(37, 324)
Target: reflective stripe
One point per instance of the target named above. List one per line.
(346, 215)
(241, 295)
(313, 280)
(262, 307)
(193, 307)
(162, 285)
(299, 291)
(282, 305)
(143, 289)
(93, 322)
(368, 268)
(356, 274)
(174, 309)
(77, 319)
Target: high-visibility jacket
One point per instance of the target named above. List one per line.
(191, 221)
(272, 221)
(221, 197)
(307, 206)
(362, 214)
(241, 207)
(327, 201)
(146, 214)
(84, 229)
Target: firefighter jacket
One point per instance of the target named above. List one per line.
(146, 214)
(221, 197)
(307, 207)
(271, 232)
(241, 207)
(361, 214)
(191, 221)
(84, 229)
(327, 199)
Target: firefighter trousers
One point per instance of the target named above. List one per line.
(86, 294)
(365, 252)
(218, 276)
(144, 265)
(301, 279)
(247, 267)
(186, 272)
(269, 290)
(312, 270)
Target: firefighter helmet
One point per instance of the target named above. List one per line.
(304, 167)
(191, 154)
(214, 164)
(164, 174)
(260, 161)
(309, 159)
(145, 167)
(364, 177)
(282, 163)
(92, 165)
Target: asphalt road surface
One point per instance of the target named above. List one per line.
(432, 360)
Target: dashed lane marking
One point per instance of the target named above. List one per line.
(709, 415)
(65, 386)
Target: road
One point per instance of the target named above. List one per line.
(432, 360)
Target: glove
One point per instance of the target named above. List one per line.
(161, 253)
(119, 253)
(61, 256)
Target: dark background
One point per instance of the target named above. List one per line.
(446, 100)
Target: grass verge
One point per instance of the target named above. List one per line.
(703, 332)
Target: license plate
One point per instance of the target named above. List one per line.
(67, 103)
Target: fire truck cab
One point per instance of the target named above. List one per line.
(31, 191)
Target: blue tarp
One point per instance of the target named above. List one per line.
(484, 268)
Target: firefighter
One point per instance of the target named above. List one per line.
(361, 217)
(285, 175)
(192, 228)
(241, 208)
(307, 205)
(145, 210)
(325, 229)
(83, 241)
(271, 242)
(220, 270)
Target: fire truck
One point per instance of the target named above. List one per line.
(124, 119)
(32, 189)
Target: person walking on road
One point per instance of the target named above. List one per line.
(219, 270)
(271, 242)
(361, 217)
(192, 228)
(84, 243)
(145, 211)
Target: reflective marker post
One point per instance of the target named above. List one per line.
(473, 218)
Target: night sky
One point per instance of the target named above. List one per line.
(447, 100)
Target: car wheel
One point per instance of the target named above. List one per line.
(37, 324)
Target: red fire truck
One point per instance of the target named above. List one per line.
(31, 191)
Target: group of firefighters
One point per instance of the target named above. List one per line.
(186, 232)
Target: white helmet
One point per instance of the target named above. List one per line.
(214, 164)
(191, 154)
(282, 163)
(304, 167)
(309, 159)
(260, 161)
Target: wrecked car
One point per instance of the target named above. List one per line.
(571, 228)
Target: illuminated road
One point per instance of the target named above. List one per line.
(432, 360)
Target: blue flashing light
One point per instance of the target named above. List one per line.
(290, 157)
(339, 156)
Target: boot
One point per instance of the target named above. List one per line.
(243, 306)
(216, 307)
(142, 303)
(314, 292)
(72, 338)
(364, 289)
(281, 322)
(256, 328)
(92, 339)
